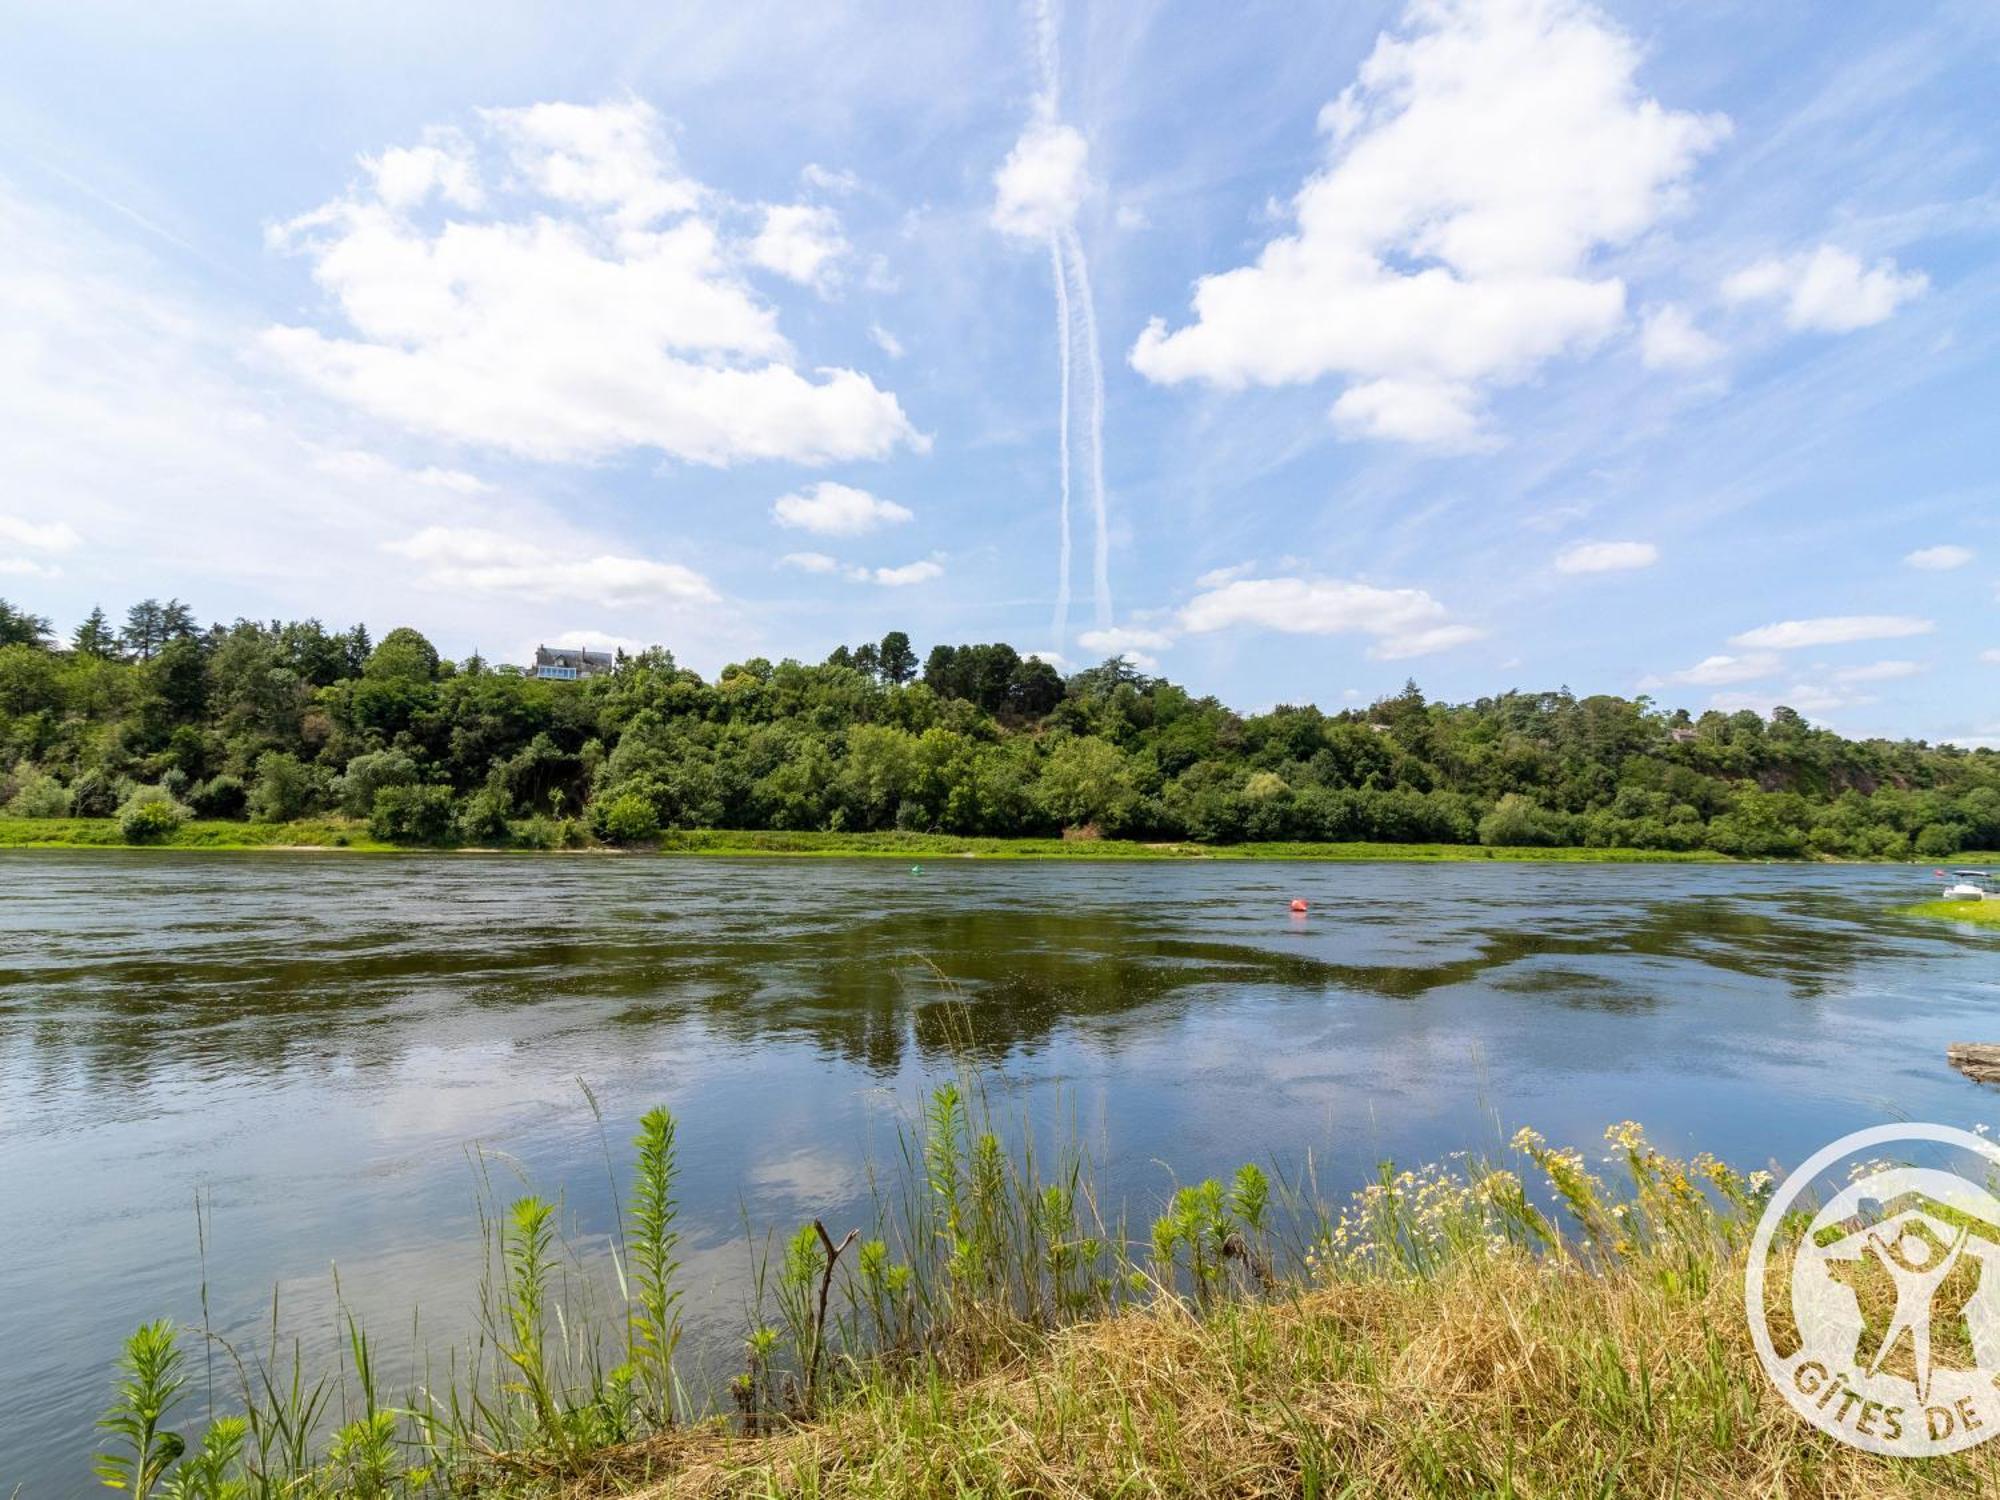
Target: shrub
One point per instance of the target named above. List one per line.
(548, 833)
(38, 795)
(149, 815)
(94, 794)
(1939, 840)
(1516, 821)
(368, 774)
(284, 789)
(627, 818)
(412, 814)
(222, 796)
(482, 817)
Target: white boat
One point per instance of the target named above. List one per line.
(1962, 887)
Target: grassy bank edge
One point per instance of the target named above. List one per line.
(352, 836)
(1516, 1324)
(1979, 913)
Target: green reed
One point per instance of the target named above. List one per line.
(979, 1246)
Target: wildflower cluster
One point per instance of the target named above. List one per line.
(1419, 1220)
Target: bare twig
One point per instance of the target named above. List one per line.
(833, 1254)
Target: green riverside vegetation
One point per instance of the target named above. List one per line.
(1983, 913)
(1519, 1324)
(161, 731)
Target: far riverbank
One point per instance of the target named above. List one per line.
(352, 835)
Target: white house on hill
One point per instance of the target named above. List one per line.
(567, 663)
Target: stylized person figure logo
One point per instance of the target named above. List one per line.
(1873, 1289)
(1913, 1263)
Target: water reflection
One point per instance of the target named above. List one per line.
(315, 1040)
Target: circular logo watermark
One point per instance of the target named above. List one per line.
(1893, 1337)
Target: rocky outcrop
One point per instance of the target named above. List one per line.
(1979, 1061)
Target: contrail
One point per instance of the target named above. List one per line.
(1094, 368)
(1076, 333)
(1062, 440)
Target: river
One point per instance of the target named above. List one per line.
(323, 1049)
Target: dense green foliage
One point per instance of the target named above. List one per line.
(161, 722)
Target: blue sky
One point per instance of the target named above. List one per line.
(1637, 347)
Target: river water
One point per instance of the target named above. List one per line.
(327, 1051)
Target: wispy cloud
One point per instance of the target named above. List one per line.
(1606, 557)
(1940, 559)
(1831, 630)
(1716, 671)
(829, 509)
(1827, 290)
(38, 536)
(543, 568)
(1403, 622)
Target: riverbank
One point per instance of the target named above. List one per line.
(1499, 1378)
(1979, 913)
(353, 835)
(199, 833)
(1515, 1326)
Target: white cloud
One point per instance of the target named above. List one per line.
(497, 562)
(1716, 671)
(1831, 630)
(907, 574)
(1939, 559)
(799, 241)
(1215, 578)
(1477, 164)
(899, 577)
(1669, 340)
(406, 176)
(1804, 697)
(1405, 622)
(827, 179)
(1054, 658)
(1991, 656)
(604, 315)
(21, 567)
(1124, 640)
(810, 562)
(372, 468)
(829, 509)
(886, 341)
(124, 394)
(1827, 290)
(38, 536)
(1879, 671)
(1606, 557)
(1039, 187)
(1440, 413)
(1426, 642)
(605, 157)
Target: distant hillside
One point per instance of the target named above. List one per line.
(160, 719)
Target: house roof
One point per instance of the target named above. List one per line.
(571, 656)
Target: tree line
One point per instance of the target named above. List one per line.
(158, 719)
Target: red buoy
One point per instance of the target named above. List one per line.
(1298, 904)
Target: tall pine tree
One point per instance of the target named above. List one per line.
(95, 637)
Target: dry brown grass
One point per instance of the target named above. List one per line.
(1508, 1377)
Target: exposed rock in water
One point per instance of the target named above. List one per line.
(1979, 1061)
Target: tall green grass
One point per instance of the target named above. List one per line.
(989, 1330)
